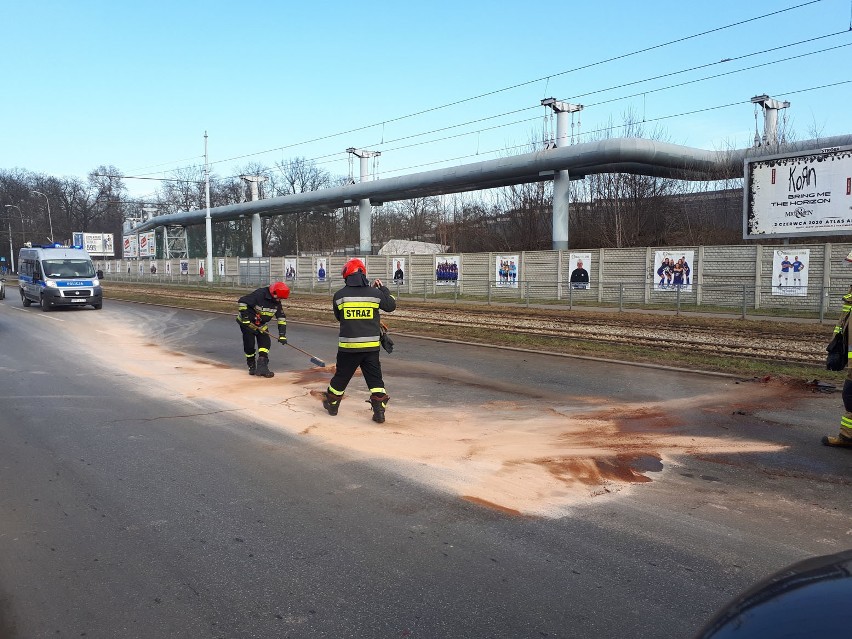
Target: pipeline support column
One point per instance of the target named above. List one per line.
(365, 209)
(561, 179)
(256, 230)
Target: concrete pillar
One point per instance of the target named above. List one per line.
(256, 229)
(365, 209)
(770, 118)
(561, 179)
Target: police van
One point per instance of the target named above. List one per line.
(56, 275)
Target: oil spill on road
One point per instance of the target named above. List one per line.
(530, 455)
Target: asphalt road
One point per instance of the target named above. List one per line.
(124, 514)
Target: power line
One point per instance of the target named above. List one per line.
(601, 130)
(539, 79)
(584, 134)
(521, 84)
(720, 75)
(711, 64)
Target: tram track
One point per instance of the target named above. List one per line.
(764, 340)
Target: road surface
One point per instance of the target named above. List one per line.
(151, 488)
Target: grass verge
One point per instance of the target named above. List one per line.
(224, 300)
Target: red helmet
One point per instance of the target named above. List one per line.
(279, 290)
(353, 266)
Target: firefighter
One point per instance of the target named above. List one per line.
(844, 437)
(255, 310)
(356, 306)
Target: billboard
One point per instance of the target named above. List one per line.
(506, 270)
(131, 246)
(790, 277)
(673, 270)
(147, 244)
(96, 244)
(799, 195)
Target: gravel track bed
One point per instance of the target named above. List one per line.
(668, 335)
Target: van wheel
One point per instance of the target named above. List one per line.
(45, 305)
(98, 306)
(26, 301)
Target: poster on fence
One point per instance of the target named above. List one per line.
(168, 267)
(579, 265)
(446, 270)
(289, 268)
(321, 272)
(221, 267)
(184, 267)
(399, 270)
(790, 272)
(153, 267)
(506, 270)
(673, 270)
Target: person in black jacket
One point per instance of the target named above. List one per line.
(579, 276)
(254, 311)
(356, 306)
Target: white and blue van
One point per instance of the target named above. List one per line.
(56, 275)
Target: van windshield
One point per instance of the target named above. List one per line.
(68, 268)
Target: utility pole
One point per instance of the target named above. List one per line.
(365, 211)
(11, 248)
(208, 219)
(49, 219)
(256, 232)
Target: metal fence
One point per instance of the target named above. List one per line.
(742, 300)
(740, 279)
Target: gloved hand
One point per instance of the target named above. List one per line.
(282, 339)
(386, 342)
(263, 330)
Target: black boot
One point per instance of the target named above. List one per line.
(252, 365)
(840, 441)
(331, 403)
(263, 367)
(378, 403)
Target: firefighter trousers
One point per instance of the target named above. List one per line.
(249, 338)
(348, 363)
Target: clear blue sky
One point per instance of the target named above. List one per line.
(136, 84)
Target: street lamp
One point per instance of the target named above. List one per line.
(49, 219)
(11, 248)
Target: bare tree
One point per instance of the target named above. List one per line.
(622, 209)
(315, 230)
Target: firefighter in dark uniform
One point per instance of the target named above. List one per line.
(356, 306)
(255, 310)
(844, 436)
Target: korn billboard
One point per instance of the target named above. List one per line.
(799, 195)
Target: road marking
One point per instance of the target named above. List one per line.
(43, 316)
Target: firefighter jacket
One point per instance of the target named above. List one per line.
(258, 308)
(842, 326)
(356, 307)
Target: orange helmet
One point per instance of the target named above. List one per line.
(279, 290)
(353, 266)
